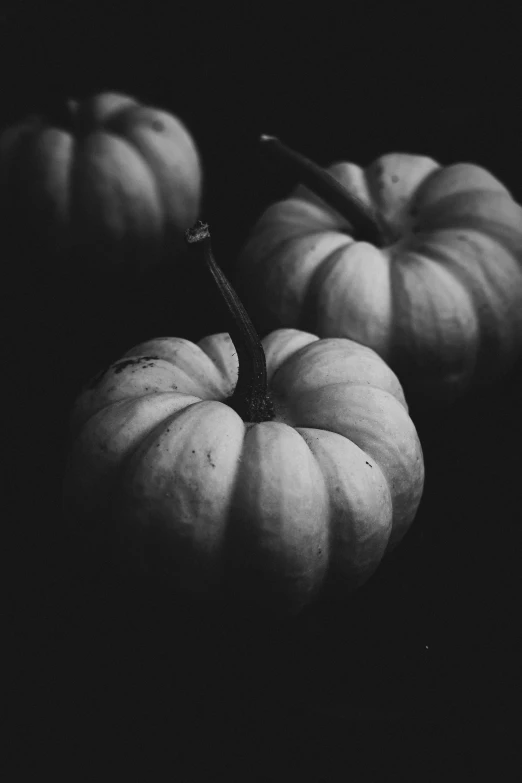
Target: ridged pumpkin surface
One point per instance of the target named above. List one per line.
(123, 179)
(275, 509)
(440, 301)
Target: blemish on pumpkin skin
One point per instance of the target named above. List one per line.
(371, 466)
(123, 363)
(394, 178)
(157, 125)
(209, 457)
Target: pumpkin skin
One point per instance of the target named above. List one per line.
(440, 301)
(123, 180)
(274, 511)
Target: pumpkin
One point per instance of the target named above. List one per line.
(420, 262)
(274, 470)
(107, 174)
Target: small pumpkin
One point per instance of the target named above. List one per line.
(273, 469)
(419, 261)
(105, 174)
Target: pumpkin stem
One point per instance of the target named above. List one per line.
(251, 399)
(324, 185)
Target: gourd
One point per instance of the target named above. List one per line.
(273, 471)
(420, 262)
(107, 177)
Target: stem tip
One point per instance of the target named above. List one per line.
(197, 233)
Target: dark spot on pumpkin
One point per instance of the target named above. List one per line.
(157, 125)
(369, 464)
(193, 451)
(209, 457)
(319, 551)
(394, 178)
(123, 363)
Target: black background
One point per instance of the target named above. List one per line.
(420, 665)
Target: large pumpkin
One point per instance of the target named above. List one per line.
(105, 174)
(309, 495)
(425, 266)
